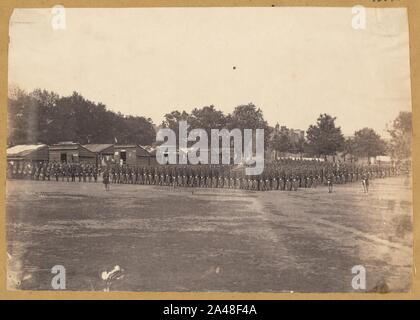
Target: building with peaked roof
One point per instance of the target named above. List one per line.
(28, 152)
(104, 152)
(133, 154)
(152, 153)
(69, 152)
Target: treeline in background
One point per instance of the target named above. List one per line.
(45, 117)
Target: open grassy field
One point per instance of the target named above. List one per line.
(169, 239)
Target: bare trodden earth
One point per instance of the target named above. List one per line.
(168, 239)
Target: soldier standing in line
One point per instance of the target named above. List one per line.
(156, 177)
(20, 171)
(178, 177)
(136, 175)
(296, 182)
(84, 173)
(214, 180)
(121, 175)
(281, 182)
(266, 181)
(56, 172)
(95, 174)
(162, 177)
(289, 180)
(117, 173)
(113, 174)
(145, 176)
(48, 172)
(25, 171)
(79, 172)
(67, 172)
(168, 178)
(32, 172)
(90, 173)
(274, 182)
(41, 173)
(221, 181)
(142, 175)
(208, 179)
(14, 170)
(232, 182)
(37, 172)
(130, 175)
(150, 177)
(238, 181)
(73, 173)
(10, 170)
(203, 179)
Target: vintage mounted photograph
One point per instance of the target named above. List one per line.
(209, 150)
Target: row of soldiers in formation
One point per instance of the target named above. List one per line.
(285, 174)
(45, 170)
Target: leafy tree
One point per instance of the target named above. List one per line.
(349, 147)
(136, 129)
(280, 143)
(367, 143)
(401, 136)
(249, 117)
(207, 118)
(44, 117)
(19, 105)
(324, 138)
(172, 119)
(299, 145)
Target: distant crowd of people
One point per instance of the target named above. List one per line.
(284, 174)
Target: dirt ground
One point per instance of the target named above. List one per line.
(168, 239)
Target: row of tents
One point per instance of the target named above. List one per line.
(71, 152)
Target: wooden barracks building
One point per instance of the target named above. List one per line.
(28, 153)
(133, 154)
(71, 152)
(104, 153)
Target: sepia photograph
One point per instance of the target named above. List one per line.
(241, 149)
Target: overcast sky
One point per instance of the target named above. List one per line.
(293, 63)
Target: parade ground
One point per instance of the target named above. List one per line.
(206, 240)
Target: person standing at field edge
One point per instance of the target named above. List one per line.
(105, 177)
